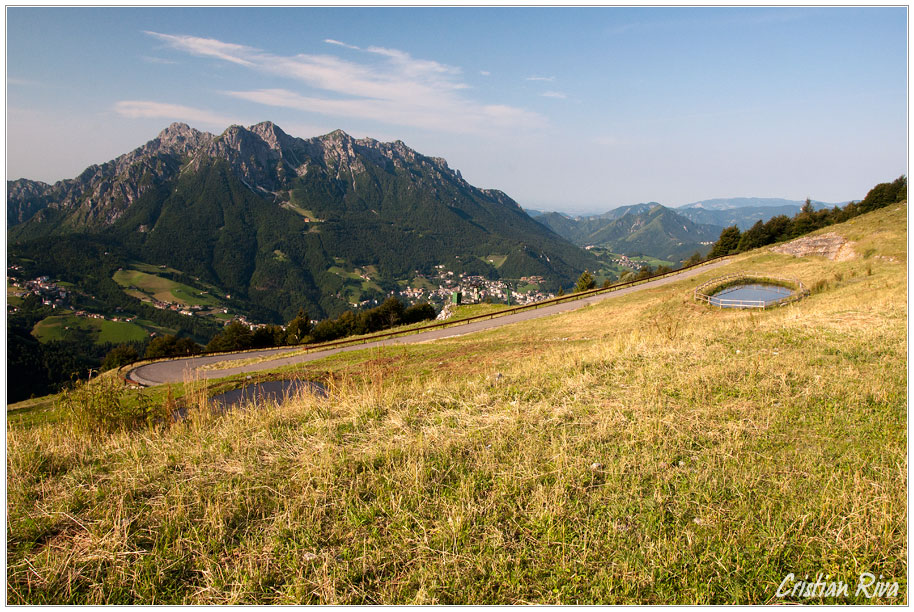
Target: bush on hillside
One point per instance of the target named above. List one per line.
(170, 346)
(101, 406)
(585, 282)
(121, 355)
(234, 337)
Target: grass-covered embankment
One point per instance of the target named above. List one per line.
(648, 449)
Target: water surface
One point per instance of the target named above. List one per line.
(271, 391)
(749, 295)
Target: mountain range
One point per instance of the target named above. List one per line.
(282, 223)
(744, 212)
(668, 233)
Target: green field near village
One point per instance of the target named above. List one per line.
(144, 285)
(58, 327)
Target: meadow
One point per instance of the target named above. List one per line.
(104, 331)
(646, 449)
(143, 285)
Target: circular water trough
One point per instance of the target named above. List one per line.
(750, 290)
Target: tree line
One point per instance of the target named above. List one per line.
(782, 227)
(239, 337)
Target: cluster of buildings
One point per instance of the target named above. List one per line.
(51, 293)
(473, 289)
(622, 260)
(95, 315)
(183, 309)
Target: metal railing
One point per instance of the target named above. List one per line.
(703, 294)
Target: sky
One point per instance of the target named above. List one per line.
(579, 110)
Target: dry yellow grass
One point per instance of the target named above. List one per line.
(644, 450)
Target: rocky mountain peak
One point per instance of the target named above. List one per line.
(179, 138)
(339, 135)
(176, 130)
(271, 134)
(263, 156)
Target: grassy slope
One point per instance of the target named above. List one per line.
(647, 449)
(162, 289)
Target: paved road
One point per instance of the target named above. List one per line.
(176, 369)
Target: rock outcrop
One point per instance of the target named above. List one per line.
(830, 245)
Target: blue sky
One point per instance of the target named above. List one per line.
(579, 110)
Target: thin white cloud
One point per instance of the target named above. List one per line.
(548, 79)
(389, 85)
(146, 109)
(207, 47)
(330, 41)
(485, 72)
(473, 118)
(554, 94)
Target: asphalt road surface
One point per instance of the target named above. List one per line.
(176, 370)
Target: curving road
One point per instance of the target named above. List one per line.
(176, 370)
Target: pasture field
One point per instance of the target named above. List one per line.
(55, 328)
(144, 285)
(646, 449)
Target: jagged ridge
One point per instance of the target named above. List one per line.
(253, 207)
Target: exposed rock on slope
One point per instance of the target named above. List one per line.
(831, 246)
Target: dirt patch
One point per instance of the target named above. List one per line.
(830, 245)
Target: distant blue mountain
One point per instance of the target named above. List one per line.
(744, 212)
(639, 229)
(731, 203)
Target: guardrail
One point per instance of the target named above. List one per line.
(508, 311)
(124, 372)
(701, 294)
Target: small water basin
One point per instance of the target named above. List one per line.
(750, 295)
(270, 391)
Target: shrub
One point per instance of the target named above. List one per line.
(298, 328)
(101, 406)
(234, 337)
(419, 312)
(695, 258)
(121, 355)
(585, 282)
(171, 346)
(267, 336)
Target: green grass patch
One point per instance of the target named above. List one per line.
(422, 283)
(136, 283)
(34, 411)
(55, 328)
(496, 260)
(151, 269)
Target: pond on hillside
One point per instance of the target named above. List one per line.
(754, 295)
(271, 391)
